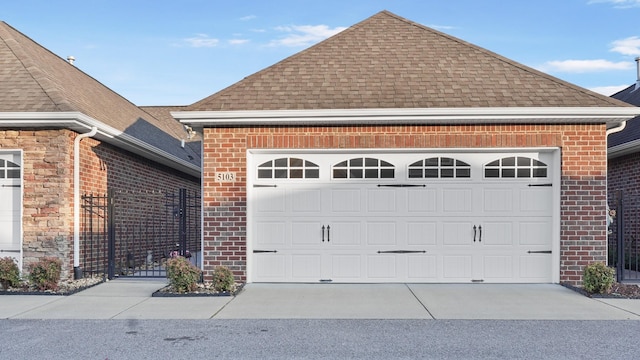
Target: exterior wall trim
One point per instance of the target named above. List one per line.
(81, 123)
(613, 116)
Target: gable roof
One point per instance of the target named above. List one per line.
(37, 84)
(387, 61)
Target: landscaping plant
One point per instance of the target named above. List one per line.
(45, 274)
(598, 278)
(223, 279)
(9, 273)
(183, 276)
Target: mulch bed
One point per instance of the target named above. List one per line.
(65, 288)
(203, 290)
(618, 291)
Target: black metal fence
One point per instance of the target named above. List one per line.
(132, 234)
(624, 236)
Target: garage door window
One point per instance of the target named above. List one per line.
(515, 167)
(9, 170)
(439, 167)
(363, 168)
(288, 168)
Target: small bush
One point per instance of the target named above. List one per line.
(9, 273)
(598, 278)
(45, 274)
(183, 276)
(223, 279)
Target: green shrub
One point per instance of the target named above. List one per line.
(9, 273)
(45, 274)
(223, 279)
(183, 276)
(598, 278)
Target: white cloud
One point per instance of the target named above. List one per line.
(619, 4)
(608, 90)
(442, 27)
(248, 17)
(238, 41)
(202, 40)
(304, 35)
(585, 66)
(628, 46)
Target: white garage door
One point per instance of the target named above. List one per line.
(10, 204)
(401, 217)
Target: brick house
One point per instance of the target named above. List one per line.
(392, 152)
(63, 134)
(623, 175)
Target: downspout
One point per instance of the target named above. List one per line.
(77, 272)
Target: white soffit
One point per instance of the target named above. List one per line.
(423, 116)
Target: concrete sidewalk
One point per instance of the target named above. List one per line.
(131, 299)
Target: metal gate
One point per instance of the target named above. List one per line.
(132, 234)
(624, 236)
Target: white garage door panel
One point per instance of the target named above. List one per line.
(402, 229)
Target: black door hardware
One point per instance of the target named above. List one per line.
(402, 185)
(539, 252)
(474, 233)
(322, 233)
(401, 251)
(480, 229)
(262, 186)
(540, 185)
(264, 251)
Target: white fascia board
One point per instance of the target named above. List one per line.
(80, 122)
(426, 116)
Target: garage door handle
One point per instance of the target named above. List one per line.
(322, 233)
(328, 233)
(474, 233)
(480, 238)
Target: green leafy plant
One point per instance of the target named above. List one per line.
(9, 273)
(223, 279)
(183, 276)
(598, 278)
(45, 273)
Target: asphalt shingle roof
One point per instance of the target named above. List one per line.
(632, 131)
(33, 79)
(387, 61)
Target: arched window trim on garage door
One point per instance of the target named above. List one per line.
(288, 168)
(439, 167)
(519, 167)
(363, 168)
(9, 170)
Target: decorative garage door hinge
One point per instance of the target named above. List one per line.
(539, 252)
(10, 185)
(264, 251)
(531, 185)
(402, 185)
(259, 186)
(401, 251)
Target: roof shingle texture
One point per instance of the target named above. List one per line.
(387, 61)
(631, 132)
(33, 79)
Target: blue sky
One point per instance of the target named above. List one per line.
(176, 52)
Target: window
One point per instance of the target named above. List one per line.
(9, 170)
(515, 167)
(363, 168)
(288, 168)
(439, 167)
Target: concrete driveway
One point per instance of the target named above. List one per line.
(126, 299)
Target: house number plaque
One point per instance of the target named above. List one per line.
(225, 177)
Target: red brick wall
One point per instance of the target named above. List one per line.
(48, 185)
(583, 233)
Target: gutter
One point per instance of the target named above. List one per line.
(423, 116)
(77, 271)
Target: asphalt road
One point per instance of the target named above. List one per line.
(317, 339)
